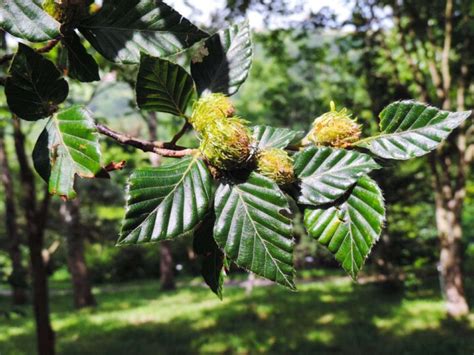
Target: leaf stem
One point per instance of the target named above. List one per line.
(170, 150)
(181, 133)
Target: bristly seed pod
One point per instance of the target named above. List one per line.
(277, 165)
(209, 108)
(226, 143)
(334, 128)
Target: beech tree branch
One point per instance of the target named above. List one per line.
(47, 48)
(162, 148)
(445, 70)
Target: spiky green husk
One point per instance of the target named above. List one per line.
(226, 143)
(334, 128)
(277, 165)
(225, 140)
(210, 108)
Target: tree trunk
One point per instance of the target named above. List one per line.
(450, 191)
(81, 286)
(166, 266)
(450, 263)
(451, 185)
(166, 256)
(36, 220)
(18, 277)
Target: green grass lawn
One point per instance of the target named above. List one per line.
(326, 317)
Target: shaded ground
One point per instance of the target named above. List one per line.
(327, 317)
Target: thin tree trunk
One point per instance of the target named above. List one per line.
(166, 256)
(18, 277)
(451, 186)
(450, 262)
(36, 220)
(76, 261)
(166, 266)
(450, 191)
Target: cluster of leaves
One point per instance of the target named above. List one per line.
(240, 216)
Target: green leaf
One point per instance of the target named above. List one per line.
(326, 173)
(213, 259)
(166, 202)
(68, 145)
(80, 64)
(34, 86)
(411, 129)
(163, 86)
(350, 229)
(227, 65)
(26, 19)
(271, 137)
(124, 28)
(252, 230)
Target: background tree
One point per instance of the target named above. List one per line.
(74, 233)
(428, 50)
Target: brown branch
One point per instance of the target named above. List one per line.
(161, 148)
(48, 47)
(445, 71)
(417, 74)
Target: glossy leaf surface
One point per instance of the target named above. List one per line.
(167, 201)
(411, 129)
(252, 229)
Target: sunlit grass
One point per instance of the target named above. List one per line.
(331, 316)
